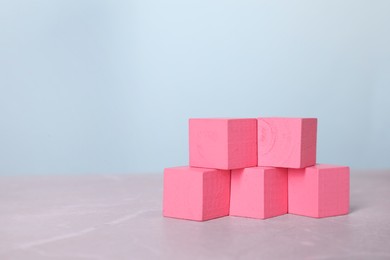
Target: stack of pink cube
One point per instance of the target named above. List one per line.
(255, 168)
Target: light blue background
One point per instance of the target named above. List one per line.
(108, 86)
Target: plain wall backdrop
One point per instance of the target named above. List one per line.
(108, 86)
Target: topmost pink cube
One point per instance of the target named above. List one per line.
(287, 142)
(223, 143)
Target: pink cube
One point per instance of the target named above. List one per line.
(223, 143)
(287, 142)
(258, 192)
(319, 191)
(196, 193)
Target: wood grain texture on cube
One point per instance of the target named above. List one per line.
(287, 142)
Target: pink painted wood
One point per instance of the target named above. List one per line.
(196, 193)
(287, 142)
(258, 192)
(319, 191)
(223, 143)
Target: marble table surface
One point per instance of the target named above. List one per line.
(119, 217)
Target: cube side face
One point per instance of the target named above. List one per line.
(275, 192)
(308, 142)
(303, 192)
(279, 142)
(242, 143)
(247, 193)
(208, 143)
(216, 194)
(334, 190)
(182, 195)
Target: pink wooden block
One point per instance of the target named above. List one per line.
(196, 193)
(319, 191)
(258, 192)
(287, 142)
(223, 143)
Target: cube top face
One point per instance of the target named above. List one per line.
(287, 142)
(321, 166)
(319, 191)
(190, 170)
(224, 119)
(258, 192)
(196, 193)
(223, 143)
(258, 170)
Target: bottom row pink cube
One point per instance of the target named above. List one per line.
(258, 192)
(196, 193)
(319, 191)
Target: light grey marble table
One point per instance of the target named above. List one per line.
(119, 217)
